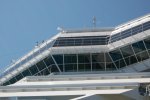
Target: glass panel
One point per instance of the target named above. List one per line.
(126, 33)
(133, 60)
(84, 58)
(26, 73)
(147, 43)
(33, 70)
(49, 61)
(127, 51)
(78, 41)
(136, 29)
(120, 63)
(58, 59)
(6, 83)
(41, 65)
(19, 76)
(142, 56)
(116, 55)
(110, 66)
(98, 66)
(127, 60)
(12, 80)
(87, 42)
(130, 60)
(115, 37)
(45, 72)
(70, 58)
(107, 57)
(84, 67)
(56, 43)
(146, 26)
(38, 74)
(70, 67)
(99, 57)
(60, 66)
(138, 47)
(149, 52)
(54, 69)
(69, 42)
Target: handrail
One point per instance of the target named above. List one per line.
(26, 57)
(29, 56)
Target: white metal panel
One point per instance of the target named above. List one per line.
(140, 36)
(147, 32)
(85, 34)
(132, 23)
(117, 44)
(79, 49)
(128, 40)
(63, 93)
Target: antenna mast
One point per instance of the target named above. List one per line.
(94, 21)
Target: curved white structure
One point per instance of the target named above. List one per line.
(89, 63)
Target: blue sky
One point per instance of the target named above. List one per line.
(24, 22)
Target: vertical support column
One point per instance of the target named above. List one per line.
(105, 61)
(113, 61)
(91, 61)
(63, 63)
(77, 63)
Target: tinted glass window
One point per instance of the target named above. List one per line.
(45, 72)
(49, 61)
(70, 58)
(6, 83)
(142, 56)
(84, 58)
(26, 73)
(126, 33)
(58, 59)
(136, 29)
(41, 65)
(115, 37)
(19, 76)
(133, 60)
(107, 58)
(146, 26)
(138, 47)
(120, 63)
(129, 32)
(147, 43)
(53, 68)
(98, 66)
(70, 67)
(84, 67)
(127, 51)
(13, 80)
(78, 41)
(33, 70)
(116, 55)
(98, 57)
(110, 66)
(130, 60)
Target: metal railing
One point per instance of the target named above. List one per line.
(27, 57)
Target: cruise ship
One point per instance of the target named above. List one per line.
(111, 63)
